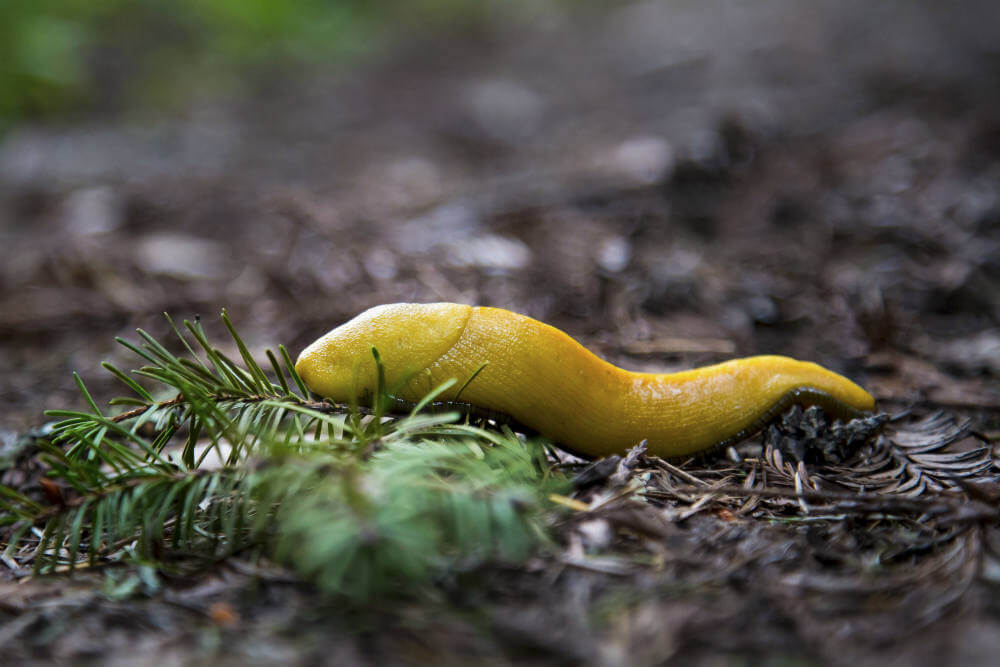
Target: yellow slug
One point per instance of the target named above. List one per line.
(547, 381)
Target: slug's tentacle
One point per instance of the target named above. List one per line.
(547, 381)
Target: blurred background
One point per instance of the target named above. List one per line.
(672, 182)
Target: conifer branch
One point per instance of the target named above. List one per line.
(356, 499)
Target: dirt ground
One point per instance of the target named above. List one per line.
(671, 183)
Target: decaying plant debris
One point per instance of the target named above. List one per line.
(821, 184)
(876, 520)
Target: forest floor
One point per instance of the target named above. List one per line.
(820, 180)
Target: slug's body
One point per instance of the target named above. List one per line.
(546, 380)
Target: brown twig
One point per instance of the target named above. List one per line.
(965, 509)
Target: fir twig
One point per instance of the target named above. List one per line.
(355, 499)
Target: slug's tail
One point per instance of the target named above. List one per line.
(733, 400)
(806, 383)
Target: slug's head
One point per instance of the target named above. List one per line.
(409, 337)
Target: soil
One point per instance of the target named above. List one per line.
(671, 183)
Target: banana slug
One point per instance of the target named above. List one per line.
(544, 379)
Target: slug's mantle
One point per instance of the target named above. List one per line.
(544, 379)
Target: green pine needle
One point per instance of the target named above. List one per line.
(361, 502)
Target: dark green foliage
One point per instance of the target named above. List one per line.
(358, 503)
(67, 56)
